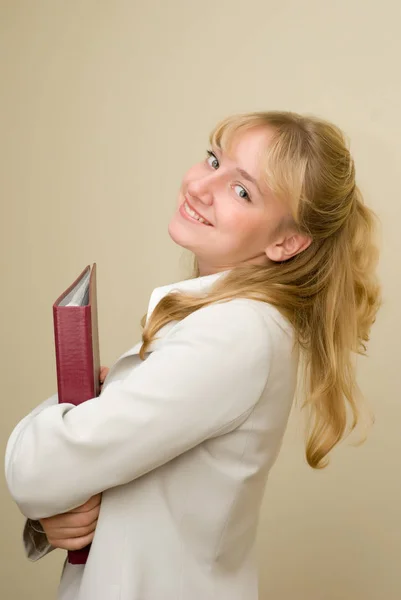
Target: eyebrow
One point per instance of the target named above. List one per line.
(249, 177)
(242, 172)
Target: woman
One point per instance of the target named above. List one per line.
(189, 423)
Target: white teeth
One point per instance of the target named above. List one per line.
(194, 215)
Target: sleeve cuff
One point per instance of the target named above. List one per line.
(35, 541)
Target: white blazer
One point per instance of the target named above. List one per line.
(180, 445)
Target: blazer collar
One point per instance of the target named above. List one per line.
(198, 285)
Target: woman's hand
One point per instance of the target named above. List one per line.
(103, 374)
(73, 530)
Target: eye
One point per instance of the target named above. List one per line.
(241, 192)
(212, 160)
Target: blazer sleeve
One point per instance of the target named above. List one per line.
(34, 538)
(207, 374)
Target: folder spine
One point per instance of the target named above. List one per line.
(74, 353)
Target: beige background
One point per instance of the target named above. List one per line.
(103, 107)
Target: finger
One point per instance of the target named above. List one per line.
(82, 516)
(73, 543)
(91, 503)
(71, 520)
(65, 533)
(75, 520)
(103, 373)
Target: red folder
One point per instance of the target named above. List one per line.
(77, 351)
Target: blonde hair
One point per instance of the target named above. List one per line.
(329, 292)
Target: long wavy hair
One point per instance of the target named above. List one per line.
(329, 292)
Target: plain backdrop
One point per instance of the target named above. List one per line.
(103, 106)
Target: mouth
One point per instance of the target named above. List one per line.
(188, 212)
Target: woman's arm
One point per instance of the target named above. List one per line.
(66, 530)
(207, 376)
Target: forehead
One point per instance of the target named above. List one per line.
(247, 148)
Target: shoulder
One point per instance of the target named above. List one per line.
(249, 323)
(242, 312)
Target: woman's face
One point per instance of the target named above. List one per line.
(239, 214)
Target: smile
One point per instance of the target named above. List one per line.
(187, 211)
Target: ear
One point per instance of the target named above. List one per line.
(287, 247)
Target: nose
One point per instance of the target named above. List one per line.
(201, 189)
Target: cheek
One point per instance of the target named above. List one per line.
(238, 220)
(244, 228)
